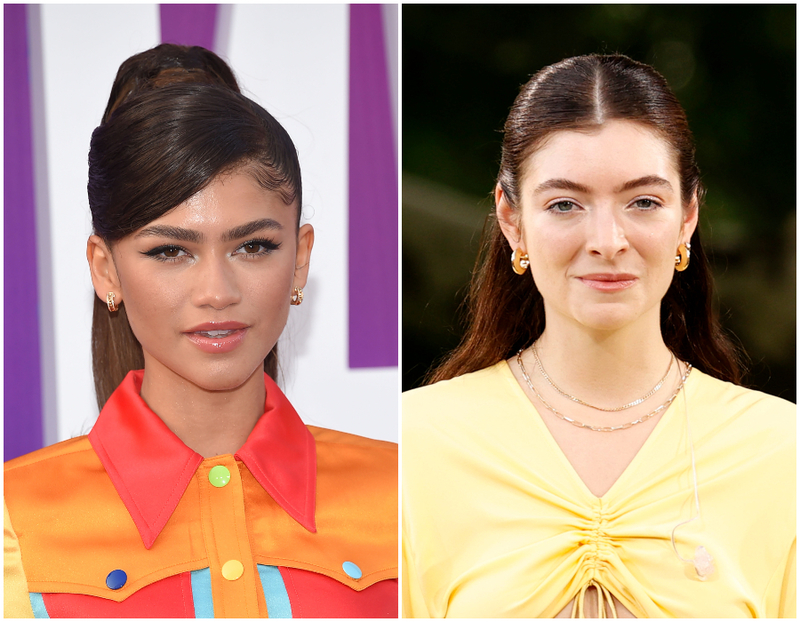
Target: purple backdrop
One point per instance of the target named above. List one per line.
(372, 215)
(22, 373)
(189, 24)
(373, 197)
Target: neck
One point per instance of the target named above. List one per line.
(607, 367)
(211, 423)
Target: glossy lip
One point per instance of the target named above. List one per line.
(217, 346)
(608, 281)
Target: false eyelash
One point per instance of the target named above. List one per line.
(155, 253)
(266, 244)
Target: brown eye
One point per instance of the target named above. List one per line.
(258, 248)
(167, 252)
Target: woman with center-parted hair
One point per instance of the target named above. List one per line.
(199, 492)
(587, 450)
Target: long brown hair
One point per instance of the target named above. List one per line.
(174, 121)
(505, 312)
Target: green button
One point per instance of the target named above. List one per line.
(219, 476)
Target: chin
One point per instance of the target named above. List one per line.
(223, 378)
(608, 319)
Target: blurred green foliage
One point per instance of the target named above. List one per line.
(733, 67)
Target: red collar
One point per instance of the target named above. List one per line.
(150, 467)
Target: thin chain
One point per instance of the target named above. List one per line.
(614, 428)
(650, 393)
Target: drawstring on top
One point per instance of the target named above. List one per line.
(603, 598)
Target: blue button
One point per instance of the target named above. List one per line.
(351, 570)
(116, 579)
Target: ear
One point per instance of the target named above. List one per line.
(101, 265)
(691, 216)
(305, 242)
(509, 220)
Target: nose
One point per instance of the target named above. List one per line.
(215, 283)
(606, 234)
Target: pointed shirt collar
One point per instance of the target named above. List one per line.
(150, 467)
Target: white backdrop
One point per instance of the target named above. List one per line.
(293, 60)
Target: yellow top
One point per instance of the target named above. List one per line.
(496, 523)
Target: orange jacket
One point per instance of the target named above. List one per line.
(285, 527)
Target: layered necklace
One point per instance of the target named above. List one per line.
(650, 393)
(594, 428)
(702, 561)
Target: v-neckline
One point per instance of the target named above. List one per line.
(662, 423)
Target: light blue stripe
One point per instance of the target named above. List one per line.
(278, 605)
(37, 603)
(201, 593)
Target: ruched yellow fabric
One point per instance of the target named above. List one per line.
(497, 523)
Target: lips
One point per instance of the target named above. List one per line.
(217, 337)
(609, 281)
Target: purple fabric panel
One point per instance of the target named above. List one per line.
(373, 197)
(22, 375)
(189, 24)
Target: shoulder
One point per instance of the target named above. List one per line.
(732, 402)
(466, 414)
(45, 474)
(741, 423)
(468, 391)
(52, 457)
(325, 436)
(45, 485)
(356, 462)
(344, 445)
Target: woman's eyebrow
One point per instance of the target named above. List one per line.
(568, 184)
(190, 235)
(167, 231)
(647, 180)
(242, 231)
(561, 184)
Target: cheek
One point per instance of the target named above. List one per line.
(268, 289)
(551, 248)
(271, 292)
(150, 302)
(658, 247)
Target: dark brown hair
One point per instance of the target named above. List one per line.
(505, 312)
(168, 64)
(172, 125)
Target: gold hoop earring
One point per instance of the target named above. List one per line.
(519, 261)
(682, 258)
(112, 306)
(297, 296)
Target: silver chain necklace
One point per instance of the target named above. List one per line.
(594, 428)
(636, 402)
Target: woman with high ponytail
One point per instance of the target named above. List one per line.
(199, 492)
(587, 450)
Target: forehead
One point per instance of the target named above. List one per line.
(229, 198)
(609, 155)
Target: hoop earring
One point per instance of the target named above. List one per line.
(297, 296)
(682, 258)
(519, 261)
(112, 306)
